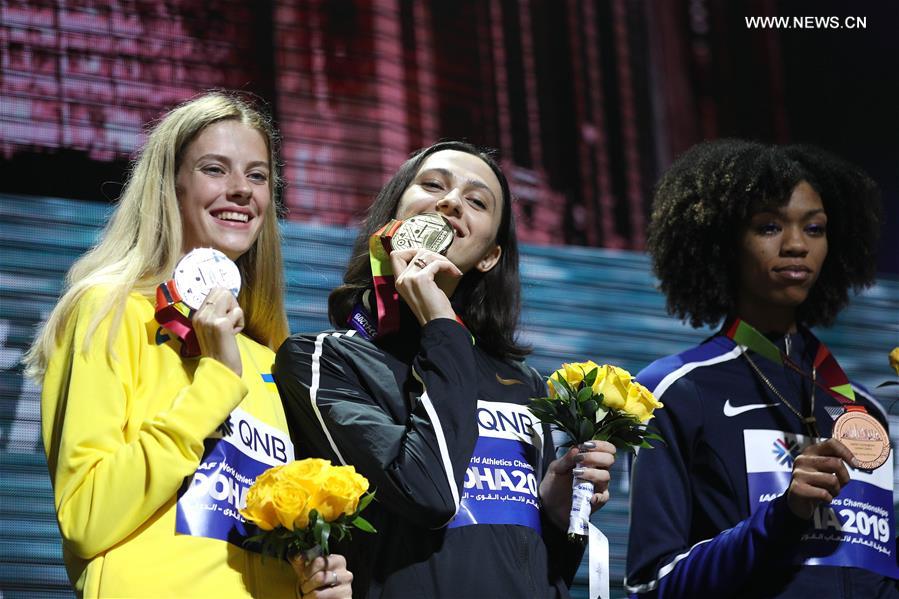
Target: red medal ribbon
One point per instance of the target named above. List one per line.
(387, 299)
(173, 315)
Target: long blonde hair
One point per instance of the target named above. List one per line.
(143, 239)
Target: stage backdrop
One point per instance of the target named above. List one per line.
(587, 101)
(578, 304)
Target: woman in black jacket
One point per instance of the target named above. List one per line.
(427, 398)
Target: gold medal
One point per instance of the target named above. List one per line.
(864, 436)
(430, 231)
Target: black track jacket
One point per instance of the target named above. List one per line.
(406, 411)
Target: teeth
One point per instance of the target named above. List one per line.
(238, 216)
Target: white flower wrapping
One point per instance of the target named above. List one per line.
(579, 519)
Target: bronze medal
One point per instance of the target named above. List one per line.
(430, 231)
(864, 436)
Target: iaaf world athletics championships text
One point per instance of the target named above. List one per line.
(806, 22)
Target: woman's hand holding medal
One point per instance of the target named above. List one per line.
(217, 323)
(199, 305)
(423, 279)
(819, 474)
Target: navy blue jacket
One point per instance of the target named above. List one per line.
(692, 534)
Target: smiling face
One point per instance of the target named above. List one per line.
(781, 253)
(464, 189)
(223, 188)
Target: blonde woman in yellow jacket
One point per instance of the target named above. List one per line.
(127, 423)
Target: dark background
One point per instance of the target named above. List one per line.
(586, 101)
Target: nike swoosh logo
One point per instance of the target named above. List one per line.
(731, 410)
(503, 381)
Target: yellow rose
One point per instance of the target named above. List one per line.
(894, 359)
(640, 402)
(308, 469)
(572, 374)
(305, 480)
(259, 509)
(290, 500)
(310, 474)
(340, 493)
(613, 383)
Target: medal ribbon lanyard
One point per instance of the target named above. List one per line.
(174, 315)
(860, 432)
(387, 299)
(830, 376)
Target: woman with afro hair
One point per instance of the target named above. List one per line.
(751, 496)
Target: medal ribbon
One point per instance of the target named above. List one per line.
(387, 299)
(831, 377)
(174, 315)
(834, 382)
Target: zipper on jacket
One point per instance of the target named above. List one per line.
(525, 558)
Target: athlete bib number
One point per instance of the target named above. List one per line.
(856, 529)
(501, 480)
(240, 450)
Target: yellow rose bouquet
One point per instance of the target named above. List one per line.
(592, 402)
(301, 505)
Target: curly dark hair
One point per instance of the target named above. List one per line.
(488, 302)
(704, 201)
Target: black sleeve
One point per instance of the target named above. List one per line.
(342, 401)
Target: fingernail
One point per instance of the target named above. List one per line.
(578, 471)
(587, 445)
(579, 458)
